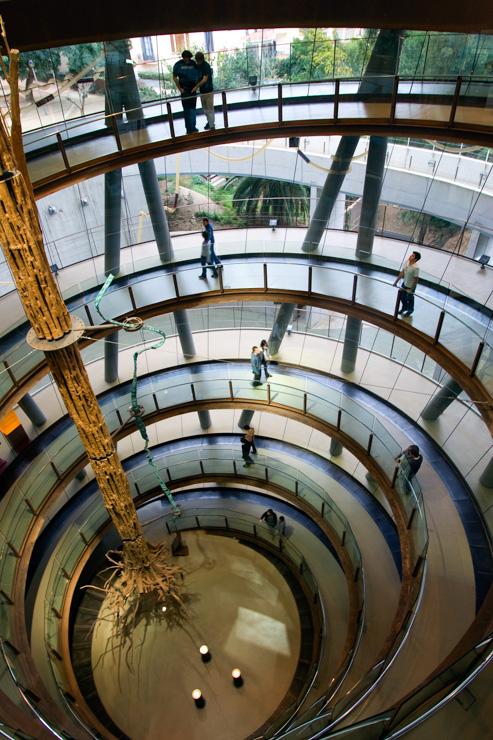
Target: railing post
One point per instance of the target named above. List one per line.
(410, 520)
(193, 392)
(355, 285)
(175, 284)
(221, 281)
(305, 401)
(455, 100)
(393, 103)
(394, 476)
(370, 442)
(336, 100)
(439, 327)
(397, 304)
(343, 538)
(476, 360)
(170, 120)
(225, 109)
(279, 102)
(63, 151)
(156, 404)
(116, 133)
(132, 298)
(230, 384)
(310, 271)
(201, 465)
(268, 393)
(339, 418)
(266, 285)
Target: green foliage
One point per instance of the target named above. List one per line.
(227, 218)
(259, 199)
(314, 56)
(80, 56)
(148, 94)
(46, 63)
(449, 54)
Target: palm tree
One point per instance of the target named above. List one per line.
(259, 199)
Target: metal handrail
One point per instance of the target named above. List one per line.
(25, 697)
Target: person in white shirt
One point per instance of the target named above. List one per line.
(409, 275)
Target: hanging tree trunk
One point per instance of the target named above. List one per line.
(144, 567)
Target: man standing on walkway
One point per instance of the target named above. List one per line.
(186, 76)
(205, 257)
(409, 275)
(205, 88)
(256, 363)
(210, 231)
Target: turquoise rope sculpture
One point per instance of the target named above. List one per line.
(133, 324)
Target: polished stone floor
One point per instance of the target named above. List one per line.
(245, 612)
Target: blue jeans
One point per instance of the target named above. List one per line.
(203, 262)
(189, 103)
(214, 258)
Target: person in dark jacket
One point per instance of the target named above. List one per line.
(410, 462)
(186, 76)
(270, 518)
(256, 363)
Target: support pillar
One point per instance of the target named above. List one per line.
(351, 343)
(246, 417)
(157, 215)
(375, 169)
(486, 478)
(204, 419)
(281, 323)
(335, 447)
(184, 333)
(112, 221)
(32, 410)
(441, 400)
(111, 357)
(328, 196)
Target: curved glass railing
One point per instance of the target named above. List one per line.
(71, 548)
(304, 396)
(444, 102)
(415, 709)
(315, 55)
(440, 319)
(27, 698)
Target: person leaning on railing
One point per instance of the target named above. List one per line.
(205, 88)
(410, 461)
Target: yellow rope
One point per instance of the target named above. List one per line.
(242, 159)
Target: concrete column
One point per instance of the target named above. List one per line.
(351, 343)
(486, 478)
(246, 417)
(204, 419)
(375, 169)
(112, 221)
(328, 195)
(184, 333)
(335, 447)
(32, 410)
(282, 320)
(111, 357)
(383, 61)
(338, 215)
(156, 210)
(441, 400)
(314, 196)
